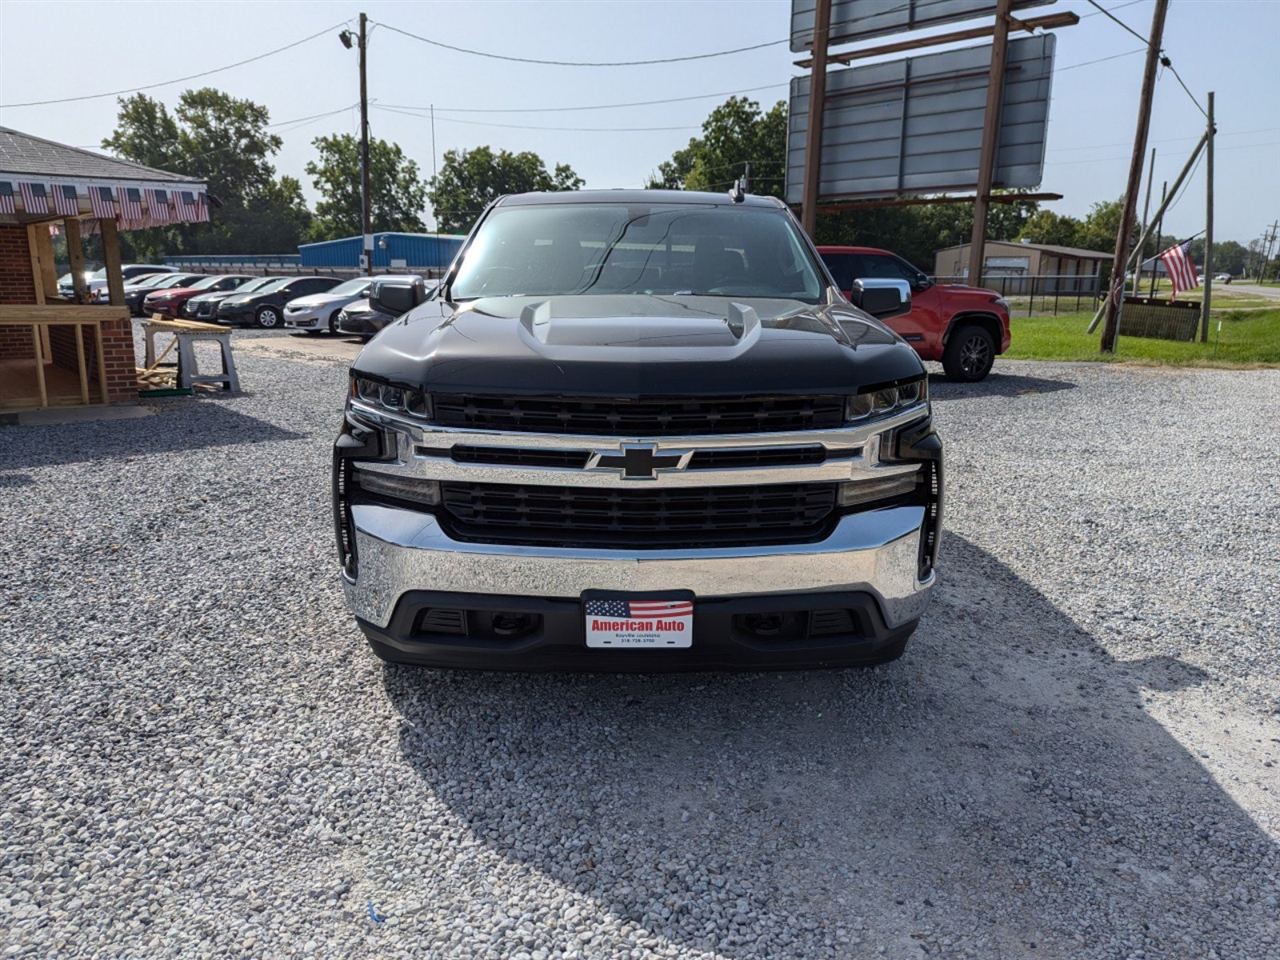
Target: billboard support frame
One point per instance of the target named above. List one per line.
(990, 136)
(817, 105)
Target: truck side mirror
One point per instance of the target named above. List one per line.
(396, 299)
(882, 298)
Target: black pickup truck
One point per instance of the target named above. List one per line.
(638, 431)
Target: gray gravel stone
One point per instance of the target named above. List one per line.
(1075, 758)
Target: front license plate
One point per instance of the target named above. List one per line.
(638, 621)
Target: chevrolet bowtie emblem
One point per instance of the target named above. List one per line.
(639, 461)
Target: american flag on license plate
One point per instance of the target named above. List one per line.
(158, 206)
(131, 208)
(1182, 272)
(6, 197)
(65, 200)
(103, 203)
(34, 198)
(639, 609)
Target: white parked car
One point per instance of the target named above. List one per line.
(97, 281)
(318, 312)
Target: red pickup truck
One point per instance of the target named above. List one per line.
(964, 327)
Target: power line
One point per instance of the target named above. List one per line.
(1118, 6)
(1164, 57)
(1114, 19)
(576, 63)
(522, 126)
(600, 106)
(165, 83)
(1166, 62)
(1089, 63)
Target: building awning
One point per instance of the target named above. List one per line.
(42, 180)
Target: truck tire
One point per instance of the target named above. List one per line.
(969, 355)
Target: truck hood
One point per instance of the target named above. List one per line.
(635, 346)
(960, 292)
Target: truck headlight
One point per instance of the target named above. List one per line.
(392, 397)
(881, 402)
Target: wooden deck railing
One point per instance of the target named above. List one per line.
(39, 319)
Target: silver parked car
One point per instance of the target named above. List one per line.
(318, 312)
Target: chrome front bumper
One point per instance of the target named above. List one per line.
(876, 552)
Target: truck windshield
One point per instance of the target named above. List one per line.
(628, 248)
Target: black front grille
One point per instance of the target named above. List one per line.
(509, 456)
(638, 519)
(668, 417)
(761, 457)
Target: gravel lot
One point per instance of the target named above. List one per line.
(1077, 758)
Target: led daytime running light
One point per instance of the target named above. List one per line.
(881, 402)
(391, 398)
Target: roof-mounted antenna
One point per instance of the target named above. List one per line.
(736, 193)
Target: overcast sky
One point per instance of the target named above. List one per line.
(51, 50)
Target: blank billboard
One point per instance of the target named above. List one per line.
(915, 125)
(853, 20)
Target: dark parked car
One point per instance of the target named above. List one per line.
(134, 296)
(168, 301)
(204, 306)
(362, 318)
(264, 307)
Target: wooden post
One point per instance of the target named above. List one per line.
(102, 362)
(1208, 229)
(37, 279)
(1121, 259)
(990, 142)
(111, 259)
(84, 372)
(35, 341)
(75, 253)
(42, 247)
(817, 104)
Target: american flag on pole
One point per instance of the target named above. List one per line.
(131, 208)
(1182, 272)
(6, 197)
(34, 197)
(158, 207)
(65, 200)
(103, 203)
(184, 205)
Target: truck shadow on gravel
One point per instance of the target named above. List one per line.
(996, 384)
(1000, 791)
(185, 425)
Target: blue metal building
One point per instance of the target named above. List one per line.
(391, 251)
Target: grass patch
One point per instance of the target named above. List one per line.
(1248, 338)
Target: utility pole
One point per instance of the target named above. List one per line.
(990, 140)
(1155, 267)
(1266, 259)
(365, 195)
(817, 104)
(1116, 290)
(1146, 208)
(1208, 229)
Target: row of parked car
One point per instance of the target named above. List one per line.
(311, 304)
(965, 328)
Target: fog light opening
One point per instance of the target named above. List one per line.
(764, 624)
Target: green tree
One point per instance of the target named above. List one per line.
(736, 133)
(1228, 256)
(1099, 228)
(469, 180)
(398, 192)
(1045, 226)
(224, 141)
